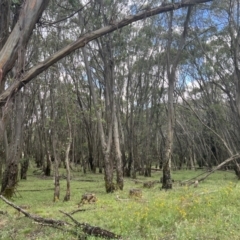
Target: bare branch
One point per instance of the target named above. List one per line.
(35, 217)
(65, 18)
(86, 228)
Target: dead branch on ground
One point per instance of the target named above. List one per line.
(36, 218)
(64, 226)
(81, 210)
(207, 174)
(94, 231)
(192, 180)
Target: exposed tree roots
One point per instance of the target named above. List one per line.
(65, 226)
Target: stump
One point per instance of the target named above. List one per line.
(135, 193)
(88, 198)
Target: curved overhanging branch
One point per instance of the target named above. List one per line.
(88, 37)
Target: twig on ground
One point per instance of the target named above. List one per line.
(81, 210)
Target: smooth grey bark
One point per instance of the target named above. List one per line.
(118, 154)
(30, 13)
(69, 143)
(171, 74)
(106, 145)
(68, 189)
(4, 26)
(54, 139)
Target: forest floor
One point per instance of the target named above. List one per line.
(210, 211)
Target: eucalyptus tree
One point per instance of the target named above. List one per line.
(143, 82)
(106, 77)
(214, 70)
(17, 42)
(173, 61)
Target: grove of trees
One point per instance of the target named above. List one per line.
(118, 87)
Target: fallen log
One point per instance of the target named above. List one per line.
(64, 226)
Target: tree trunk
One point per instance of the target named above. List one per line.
(4, 26)
(4, 21)
(56, 194)
(4, 30)
(147, 160)
(30, 13)
(68, 192)
(9, 181)
(24, 168)
(106, 146)
(47, 165)
(167, 182)
(172, 65)
(1, 168)
(118, 154)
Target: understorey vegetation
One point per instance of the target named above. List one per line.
(208, 211)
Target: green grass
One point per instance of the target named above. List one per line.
(210, 211)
